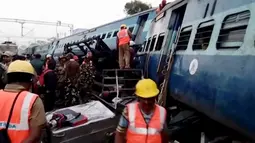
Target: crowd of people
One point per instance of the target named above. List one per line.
(59, 85)
(66, 83)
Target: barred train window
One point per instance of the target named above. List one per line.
(109, 35)
(233, 31)
(203, 35)
(184, 37)
(147, 45)
(143, 46)
(153, 42)
(115, 33)
(160, 42)
(103, 36)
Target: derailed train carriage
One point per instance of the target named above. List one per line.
(99, 116)
(209, 47)
(8, 46)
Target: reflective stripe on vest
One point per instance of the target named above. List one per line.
(123, 37)
(144, 131)
(24, 114)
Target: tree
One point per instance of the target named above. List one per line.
(136, 6)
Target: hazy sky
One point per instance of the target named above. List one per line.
(81, 13)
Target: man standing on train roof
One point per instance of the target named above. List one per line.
(28, 117)
(124, 36)
(143, 121)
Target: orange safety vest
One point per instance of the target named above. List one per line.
(18, 129)
(140, 132)
(123, 37)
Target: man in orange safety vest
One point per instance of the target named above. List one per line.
(22, 112)
(124, 36)
(143, 121)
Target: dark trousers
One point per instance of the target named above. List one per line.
(49, 101)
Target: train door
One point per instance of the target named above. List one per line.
(139, 30)
(175, 23)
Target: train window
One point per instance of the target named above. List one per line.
(160, 42)
(203, 35)
(109, 35)
(103, 36)
(143, 46)
(115, 33)
(184, 37)
(147, 45)
(233, 31)
(131, 29)
(153, 42)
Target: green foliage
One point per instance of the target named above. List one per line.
(136, 6)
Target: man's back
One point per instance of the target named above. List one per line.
(38, 65)
(3, 77)
(27, 112)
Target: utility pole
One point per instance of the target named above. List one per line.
(22, 27)
(22, 22)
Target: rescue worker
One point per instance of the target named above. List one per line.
(28, 57)
(3, 77)
(69, 57)
(7, 58)
(86, 78)
(143, 121)
(50, 84)
(37, 63)
(76, 58)
(88, 59)
(28, 116)
(71, 90)
(124, 36)
(60, 72)
(49, 58)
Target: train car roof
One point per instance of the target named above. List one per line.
(92, 29)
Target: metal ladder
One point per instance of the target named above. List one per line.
(120, 80)
(166, 72)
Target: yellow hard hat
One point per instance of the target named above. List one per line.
(146, 88)
(123, 25)
(21, 66)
